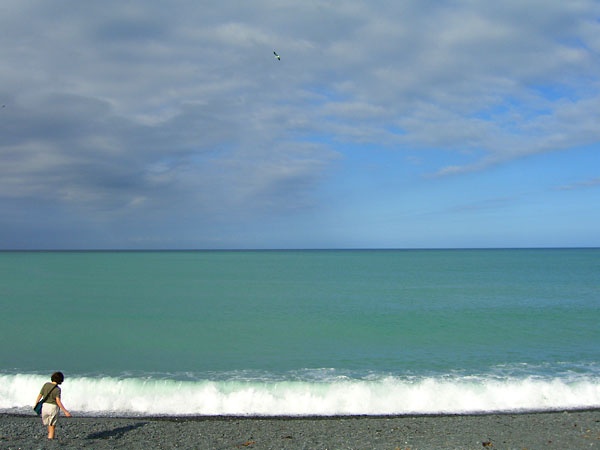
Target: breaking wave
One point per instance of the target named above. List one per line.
(327, 396)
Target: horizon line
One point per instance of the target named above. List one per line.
(290, 249)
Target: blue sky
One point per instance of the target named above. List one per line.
(389, 124)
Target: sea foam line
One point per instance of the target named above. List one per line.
(386, 396)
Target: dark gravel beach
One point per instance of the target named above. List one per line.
(559, 430)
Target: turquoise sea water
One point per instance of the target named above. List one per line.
(303, 332)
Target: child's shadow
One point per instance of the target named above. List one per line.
(116, 433)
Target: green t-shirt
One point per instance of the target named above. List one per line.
(46, 388)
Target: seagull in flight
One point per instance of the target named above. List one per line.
(276, 55)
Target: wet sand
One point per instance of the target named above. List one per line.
(548, 430)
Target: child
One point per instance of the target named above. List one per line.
(52, 404)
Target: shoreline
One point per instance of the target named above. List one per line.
(573, 429)
(314, 416)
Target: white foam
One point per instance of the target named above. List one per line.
(388, 395)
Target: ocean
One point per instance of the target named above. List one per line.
(323, 332)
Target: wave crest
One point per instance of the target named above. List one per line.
(342, 396)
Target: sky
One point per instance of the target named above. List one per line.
(385, 124)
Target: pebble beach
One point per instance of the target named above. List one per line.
(547, 430)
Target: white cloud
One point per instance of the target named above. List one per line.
(581, 185)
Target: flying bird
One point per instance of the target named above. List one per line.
(276, 55)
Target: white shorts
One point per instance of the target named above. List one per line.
(50, 414)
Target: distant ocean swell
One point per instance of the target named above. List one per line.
(386, 395)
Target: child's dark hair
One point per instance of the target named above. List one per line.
(57, 377)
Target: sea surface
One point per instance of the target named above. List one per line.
(324, 332)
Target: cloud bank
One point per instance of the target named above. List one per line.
(174, 121)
